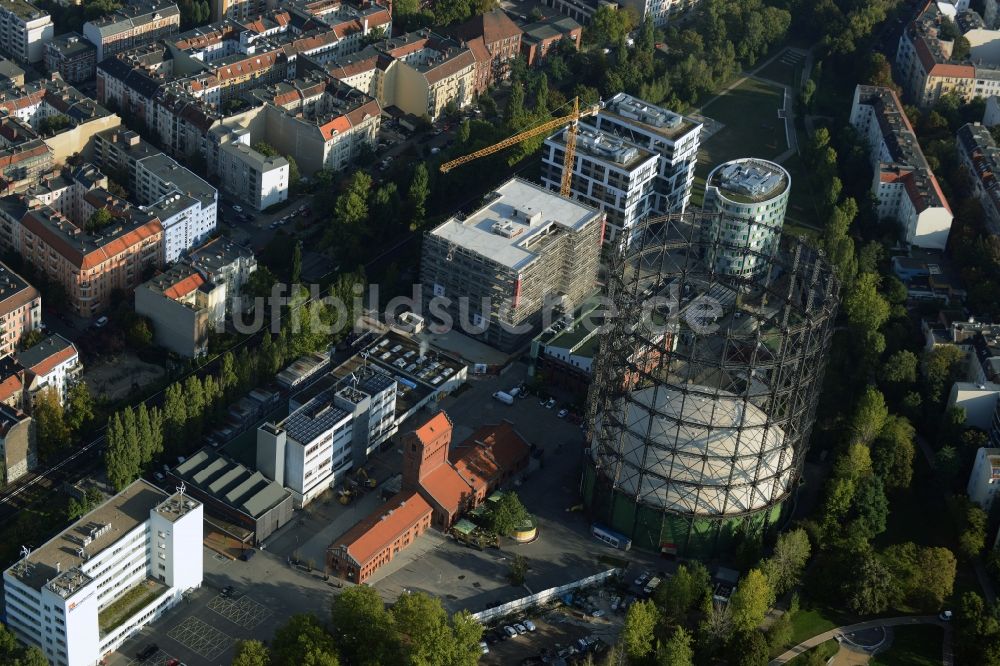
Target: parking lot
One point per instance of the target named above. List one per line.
(465, 577)
(558, 632)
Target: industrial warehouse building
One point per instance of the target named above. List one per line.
(240, 503)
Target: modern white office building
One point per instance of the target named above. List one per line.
(673, 137)
(86, 591)
(984, 482)
(750, 197)
(327, 434)
(609, 173)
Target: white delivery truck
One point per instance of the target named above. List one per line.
(504, 397)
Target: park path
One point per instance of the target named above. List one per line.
(946, 654)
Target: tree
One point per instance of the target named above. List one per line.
(260, 282)
(145, 429)
(785, 566)
(677, 650)
(428, 637)
(638, 631)
(900, 368)
(870, 416)
(297, 263)
(302, 640)
(972, 522)
(921, 577)
(251, 653)
(227, 372)
(751, 600)
(30, 339)
(780, 632)
(266, 149)
(683, 591)
(51, 431)
(139, 334)
(120, 458)
(508, 514)
(610, 25)
(294, 175)
(175, 416)
(942, 367)
(870, 590)
(363, 628)
(194, 398)
(99, 219)
(893, 452)
(866, 309)
(870, 508)
(80, 406)
(518, 569)
(748, 648)
(416, 196)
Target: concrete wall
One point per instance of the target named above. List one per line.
(177, 327)
(73, 141)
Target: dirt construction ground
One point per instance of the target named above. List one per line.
(119, 376)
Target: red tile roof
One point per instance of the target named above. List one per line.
(9, 387)
(447, 487)
(383, 526)
(184, 287)
(434, 428)
(47, 364)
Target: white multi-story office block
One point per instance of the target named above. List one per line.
(86, 591)
(673, 137)
(609, 173)
(904, 184)
(750, 197)
(25, 30)
(329, 431)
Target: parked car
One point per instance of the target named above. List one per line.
(562, 413)
(228, 591)
(101, 322)
(510, 631)
(484, 647)
(529, 625)
(147, 652)
(238, 208)
(945, 616)
(550, 404)
(158, 476)
(520, 629)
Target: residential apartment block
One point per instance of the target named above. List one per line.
(183, 307)
(633, 159)
(58, 595)
(91, 265)
(609, 173)
(927, 69)
(525, 251)
(223, 261)
(73, 56)
(750, 197)
(420, 72)
(132, 25)
(980, 157)
(495, 41)
(185, 204)
(20, 309)
(18, 444)
(906, 188)
(660, 11)
(247, 175)
(53, 363)
(24, 30)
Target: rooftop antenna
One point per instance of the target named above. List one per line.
(25, 551)
(181, 488)
(364, 358)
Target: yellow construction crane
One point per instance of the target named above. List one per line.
(548, 126)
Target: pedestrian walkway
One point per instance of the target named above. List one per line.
(870, 624)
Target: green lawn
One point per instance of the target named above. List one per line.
(128, 605)
(826, 650)
(912, 646)
(751, 126)
(785, 69)
(809, 622)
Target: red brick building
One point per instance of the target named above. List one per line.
(439, 485)
(495, 41)
(539, 38)
(374, 541)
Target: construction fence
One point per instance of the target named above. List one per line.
(490, 614)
